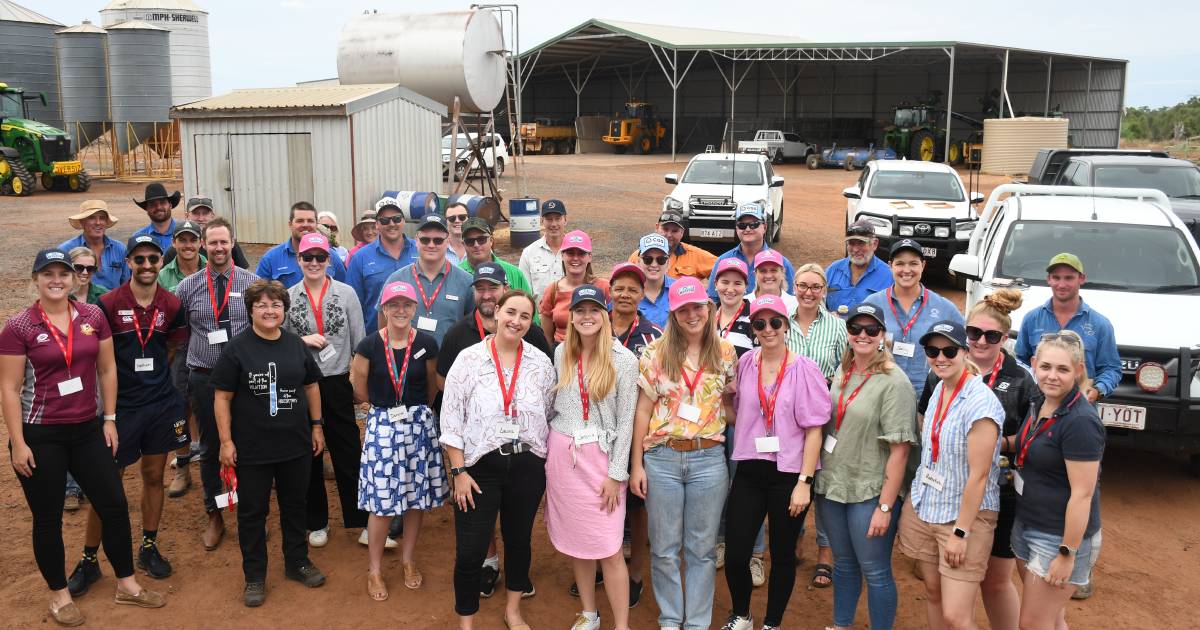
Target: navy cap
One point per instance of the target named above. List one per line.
(138, 241)
(673, 216)
(587, 293)
(490, 272)
(48, 257)
(866, 310)
(949, 329)
(189, 227)
(903, 244)
(553, 206)
(433, 220)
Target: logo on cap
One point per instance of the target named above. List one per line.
(865, 308)
(551, 204)
(386, 201)
(587, 292)
(576, 239)
(766, 299)
(943, 328)
(143, 239)
(487, 268)
(56, 255)
(684, 290)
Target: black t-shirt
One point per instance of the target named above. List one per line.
(1077, 435)
(465, 333)
(416, 382)
(239, 257)
(270, 411)
(641, 335)
(1014, 387)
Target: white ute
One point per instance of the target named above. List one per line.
(715, 184)
(778, 146)
(495, 154)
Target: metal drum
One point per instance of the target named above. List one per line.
(523, 221)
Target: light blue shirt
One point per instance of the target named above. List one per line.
(736, 252)
(369, 270)
(1099, 341)
(279, 263)
(937, 309)
(657, 311)
(843, 292)
(164, 240)
(112, 271)
(455, 300)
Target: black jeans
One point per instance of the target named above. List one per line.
(511, 486)
(290, 479)
(759, 490)
(210, 441)
(80, 449)
(345, 450)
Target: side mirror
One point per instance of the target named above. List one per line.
(977, 197)
(851, 193)
(966, 265)
(671, 178)
(776, 181)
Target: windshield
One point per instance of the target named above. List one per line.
(1174, 181)
(1117, 256)
(10, 106)
(918, 185)
(742, 173)
(462, 142)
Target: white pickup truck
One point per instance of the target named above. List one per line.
(712, 188)
(778, 146)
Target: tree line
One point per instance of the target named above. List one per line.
(1158, 124)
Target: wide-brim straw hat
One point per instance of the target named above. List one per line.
(87, 209)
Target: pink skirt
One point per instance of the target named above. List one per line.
(578, 524)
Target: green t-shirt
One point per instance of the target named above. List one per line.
(516, 279)
(169, 276)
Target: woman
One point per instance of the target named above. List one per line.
(863, 460)
(781, 404)
(954, 496)
(678, 461)
(495, 419)
(363, 232)
(68, 348)
(654, 257)
(326, 315)
(87, 291)
(402, 472)
(577, 270)
(588, 455)
(268, 380)
(1057, 533)
(328, 220)
(733, 308)
(770, 278)
(988, 323)
(456, 215)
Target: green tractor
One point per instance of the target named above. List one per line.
(919, 132)
(29, 148)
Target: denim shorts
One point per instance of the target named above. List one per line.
(1037, 549)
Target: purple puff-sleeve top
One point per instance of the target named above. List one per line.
(802, 404)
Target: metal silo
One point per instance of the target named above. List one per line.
(27, 58)
(83, 75)
(191, 67)
(139, 81)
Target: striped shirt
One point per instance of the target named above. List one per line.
(926, 314)
(198, 309)
(824, 342)
(975, 402)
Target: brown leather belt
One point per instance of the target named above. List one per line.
(694, 444)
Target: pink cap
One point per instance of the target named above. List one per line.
(772, 303)
(397, 290)
(314, 240)
(686, 290)
(627, 268)
(577, 239)
(732, 264)
(768, 256)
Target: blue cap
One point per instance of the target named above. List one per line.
(553, 206)
(48, 257)
(433, 220)
(949, 329)
(749, 210)
(653, 241)
(587, 293)
(903, 244)
(866, 310)
(138, 241)
(490, 272)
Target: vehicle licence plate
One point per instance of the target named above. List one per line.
(713, 233)
(929, 252)
(67, 168)
(1123, 416)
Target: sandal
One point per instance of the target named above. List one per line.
(412, 576)
(822, 572)
(376, 587)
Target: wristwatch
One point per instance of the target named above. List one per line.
(961, 533)
(454, 472)
(319, 422)
(808, 479)
(1066, 551)
(885, 508)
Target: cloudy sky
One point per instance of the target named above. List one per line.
(257, 43)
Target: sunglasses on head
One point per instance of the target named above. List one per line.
(654, 260)
(151, 258)
(314, 257)
(476, 240)
(457, 218)
(1066, 335)
(749, 225)
(85, 268)
(872, 330)
(395, 218)
(436, 240)
(761, 324)
(949, 351)
(992, 336)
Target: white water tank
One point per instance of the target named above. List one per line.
(83, 74)
(27, 58)
(139, 75)
(438, 55)
(191, 67)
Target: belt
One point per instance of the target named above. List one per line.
(512, 448)
(201, 370)
(694, 444)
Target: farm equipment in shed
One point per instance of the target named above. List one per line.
(848, 158)
(546, 137)
(918, 132)
(636, 127)
(29, 148)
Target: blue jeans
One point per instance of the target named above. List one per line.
(73, 486)
(856, 556)
(760, 545)
(686, 492)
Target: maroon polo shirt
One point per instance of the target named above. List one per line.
(159, 324)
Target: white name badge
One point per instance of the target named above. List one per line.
(586, 435)
(904, 349)
(426, 323)
(691, 413)
(420, 353)
(125, 312)
(143, 365)
(830, 443)
(218, 336)
(452, 298)
(397, 414)
(226, 500)
(234, 294)
(1018, 482)
(70, 386)
(327, 353)
(768, 444)
(933, 480)
(509, 430)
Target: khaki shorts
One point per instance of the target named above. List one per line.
(926, 542)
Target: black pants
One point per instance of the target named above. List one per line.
(345, 449)
(759, 490)
(290, 479)
(80, 449)
(210, 441)
(511, 486)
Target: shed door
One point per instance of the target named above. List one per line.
(270, 172)
(212, 171)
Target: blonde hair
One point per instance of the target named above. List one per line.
(671, 347)
(77, 252)
(998, 305)
(1070, 342)
(601, 375)
(881, 362)
(811, 268)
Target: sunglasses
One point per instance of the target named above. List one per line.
(872, 330)
(436, 240)
(749, 225)
(397, 219)
(151, 258)
(85, 268)
(949, 351)
(314, 257)
(654, 260)
(992, 336)
(761, 324)
(331, 228)
(476, 240)
(457, 218)
(1066, 335)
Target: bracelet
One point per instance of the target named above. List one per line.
(319, 422)
(110, 417)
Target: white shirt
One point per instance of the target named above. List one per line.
(542, 266)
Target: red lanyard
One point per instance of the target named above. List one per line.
(68, 350)
(632, 327)
(725, 329)
(996, 370)
(229, 476)
(583, 392)
(149, 331)
(767, 403)
(316, 306)
(1041, 428)
(428, 302)
(398, 376)
(212, 296)
(508, 392)
(939, 417)
(904, 329)
(693, 382)
(479, 325)
(843, 405)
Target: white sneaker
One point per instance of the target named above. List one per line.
(738, 623)
(318, 538)
(390, 544)
(582, 622)
(720, 555)
(758, 573)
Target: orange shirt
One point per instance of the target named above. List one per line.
(694, 262)
(556, 305)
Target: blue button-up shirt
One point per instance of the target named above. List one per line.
(841, 288)
(369, 270)
(1099, 341)
(279, 263)
(454, 301)
(112, 271)
(164, 239)
(736, 252)
(928, 313)
(657, 311)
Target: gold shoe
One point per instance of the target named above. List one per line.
(68, 615)
(144, 599)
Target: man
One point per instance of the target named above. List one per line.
(94, 220)
(860, 273)
(477, 238)
(188, 259)
(445, 290)
(200, 211)
(371, 265)
(541, 261)
(279, 263)
(1066, 310)
(456, 214)
(146, 320)
(686, 260)
(751, 230)
(215, 312)
(653, 306)
(158, 206)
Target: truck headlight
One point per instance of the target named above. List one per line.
(671, 203)
(1151, 376)
(883, 227)
(941, 232)
(905, 230)
(964, 229)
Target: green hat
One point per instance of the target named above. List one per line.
(1068, 259)
(476, 223)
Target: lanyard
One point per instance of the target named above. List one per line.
(693, 382)
(583, 392)
(939, 416)
(479, 325)
(508, 392)
(767, 403)
(428, 301)
(1042, 427)
(905, 328)
(632, 327)
(996, 370)
(212, 296)
(149, 331)
(316, 306)
(68, 350)
(725, 329)
(398, 377)
(843, 405)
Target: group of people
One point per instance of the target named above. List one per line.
(695, 407)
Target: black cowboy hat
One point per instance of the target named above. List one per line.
(158, 191)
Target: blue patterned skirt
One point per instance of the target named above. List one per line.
(401, 466)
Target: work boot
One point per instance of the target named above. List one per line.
(152, 562)
(214, 532)
(180, 482)
(86, 573)
(254, 594)
(307, 574)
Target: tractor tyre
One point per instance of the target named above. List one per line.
(955, 156)
(79, 182)
(813, 161)
(48, 181)
(620, 149)
(849, 165)
(923, 146)
(22, 180)
(645, 145)
(777, 158)
(549, 148)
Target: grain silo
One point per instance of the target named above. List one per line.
(27, 58)
(191, 67)
(139, 81)
(83, 75)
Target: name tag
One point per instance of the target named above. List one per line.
(420, 353)
(1018, 482)
(509, 430)
(70, 386)
(452, 298)
(126, 312)
(234, 294)
(143, 365)
(904, 349)
(768, 444)
(933, 480)
(226, 500)
(830, 443)
(586, 435)
(218, 336)
(398, 414)
(426, 323)
(691, 413)
(327, 353)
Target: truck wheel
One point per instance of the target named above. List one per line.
(849, 164)
(814, 161)
(778, 227)
(620, 149)
(460, 171)
(549, 148)
(644, 145)
(498, 169)
(777, 158)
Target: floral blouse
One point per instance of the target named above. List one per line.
(665, 422)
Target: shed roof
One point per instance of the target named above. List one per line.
(318, 100)
(13, 12)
